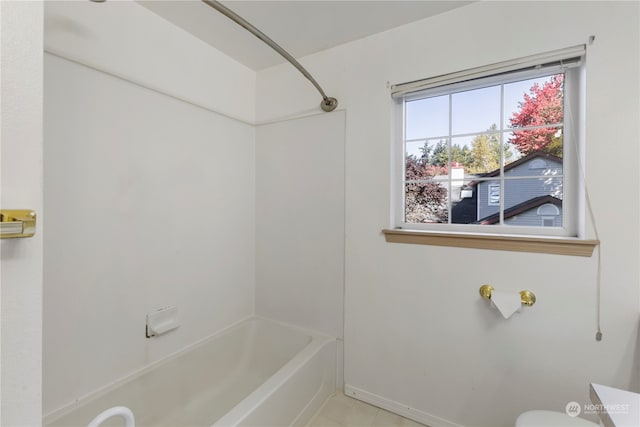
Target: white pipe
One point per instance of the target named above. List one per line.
(121, 411)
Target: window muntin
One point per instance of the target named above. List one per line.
(491, 137)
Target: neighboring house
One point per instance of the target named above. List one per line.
(533, 193)
(545, 211)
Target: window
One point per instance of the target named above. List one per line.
(494, 195)
(483, 150)
(538, 164)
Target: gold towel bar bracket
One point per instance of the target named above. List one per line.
(527, 298)
(17, 223)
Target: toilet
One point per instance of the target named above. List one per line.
(551, 419)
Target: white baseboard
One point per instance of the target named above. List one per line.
(397, 408)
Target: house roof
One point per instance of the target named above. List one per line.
(520, 208)
(520, 161)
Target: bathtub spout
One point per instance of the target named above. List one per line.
(120, 411)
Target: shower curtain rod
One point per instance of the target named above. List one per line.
(327, 104)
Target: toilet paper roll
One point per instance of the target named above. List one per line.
(506, 302)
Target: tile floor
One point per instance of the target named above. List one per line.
(343, 411)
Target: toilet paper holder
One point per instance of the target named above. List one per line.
(527, 298)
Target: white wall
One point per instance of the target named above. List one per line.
(126, 39)
(150, 203)
(416, 331)
(21, 271)
(300, 221)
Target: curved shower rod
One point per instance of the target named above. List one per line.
(327, 104)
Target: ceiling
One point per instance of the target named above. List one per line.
(301, 27)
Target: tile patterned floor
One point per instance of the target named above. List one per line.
(343, 411)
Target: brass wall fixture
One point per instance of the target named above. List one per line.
(527, 298)
(17, 223)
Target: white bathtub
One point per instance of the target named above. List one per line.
(257, 373)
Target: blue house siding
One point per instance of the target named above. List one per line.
(546, 180)
(531, 218)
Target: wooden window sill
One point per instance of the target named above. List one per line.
(547, 245)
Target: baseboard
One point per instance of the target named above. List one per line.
(397, 408)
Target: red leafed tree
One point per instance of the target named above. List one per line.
(426, 201)
(541, 106)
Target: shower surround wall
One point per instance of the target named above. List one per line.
(153, 202)
(150, 200)
(300, 222)
(417, 334)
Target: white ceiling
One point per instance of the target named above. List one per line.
(301, 27)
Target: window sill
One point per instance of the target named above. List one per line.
(547, 245)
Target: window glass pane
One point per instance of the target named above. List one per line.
(478, 154)
(527, 201)
(487, 192)
(426, 159)
(414, 148)
(426, 202)
(427, 118)
(522, 190)
(511, 150)
(536, 163)
(534, 102)
(547, 140)
(475, 110)
(461, 154)
(463, 201)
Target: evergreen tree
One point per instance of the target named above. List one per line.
(440, 155)
(461, 155)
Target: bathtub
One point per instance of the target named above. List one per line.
(256, 373)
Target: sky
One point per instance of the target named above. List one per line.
(472, 111)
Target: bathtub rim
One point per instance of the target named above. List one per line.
(268, 388)
(314, 336)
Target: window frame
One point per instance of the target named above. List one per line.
(573, 147)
